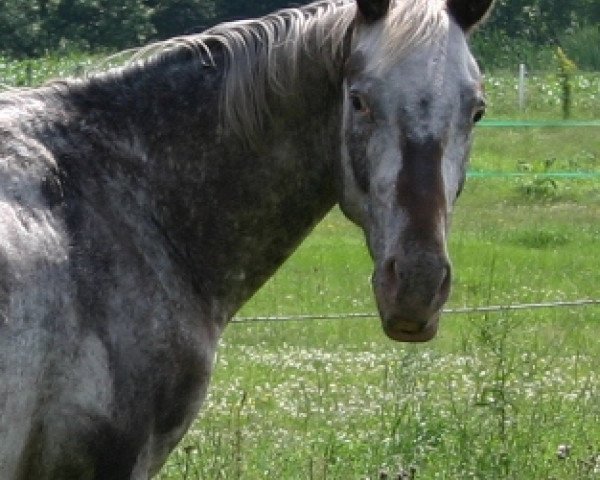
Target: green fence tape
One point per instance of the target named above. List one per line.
(538, 123)
(484, 174)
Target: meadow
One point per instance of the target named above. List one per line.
(503, 395)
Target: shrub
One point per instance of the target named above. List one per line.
(583, 46)
(495, 50)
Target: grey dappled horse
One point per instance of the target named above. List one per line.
(140, 208)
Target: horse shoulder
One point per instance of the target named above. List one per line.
(35, 292)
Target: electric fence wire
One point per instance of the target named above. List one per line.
(446, 311)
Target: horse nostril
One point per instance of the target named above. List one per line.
(426, 284)
(444, 288)
(392, 270)
(394, 278)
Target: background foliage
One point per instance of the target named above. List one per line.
(516, 31)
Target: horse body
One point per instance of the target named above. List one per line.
(133, 223)
(147, 256)
(87, 359)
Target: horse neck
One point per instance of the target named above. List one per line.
(230, 213)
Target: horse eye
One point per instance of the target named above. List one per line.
(358, 103)
(478, 115)
(479, 112)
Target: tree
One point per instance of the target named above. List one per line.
(236, 9)
(543, 21)
(112, 24)
(21, 28)
(32, 27)
(176, 17)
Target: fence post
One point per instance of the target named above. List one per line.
(522, 86)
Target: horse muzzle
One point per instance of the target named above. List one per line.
(410, 294)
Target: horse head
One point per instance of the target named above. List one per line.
(412, 94)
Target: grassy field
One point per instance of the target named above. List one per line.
(495, 396)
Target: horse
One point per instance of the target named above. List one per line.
(143, 205)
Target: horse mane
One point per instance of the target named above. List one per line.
(410, 23)
(261, 55)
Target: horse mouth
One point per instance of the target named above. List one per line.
(402, 330)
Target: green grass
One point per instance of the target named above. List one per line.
(492, 397)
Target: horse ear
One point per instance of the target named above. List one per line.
(469, 13)
(372, 10)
